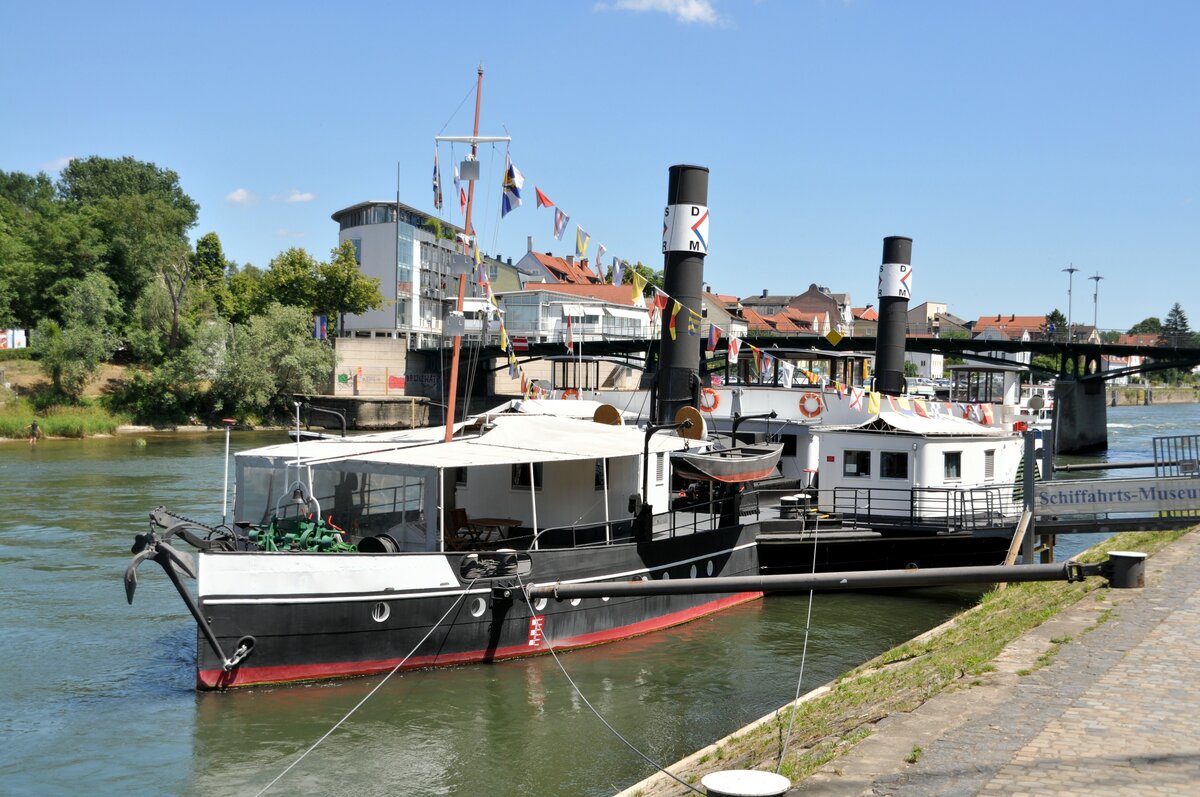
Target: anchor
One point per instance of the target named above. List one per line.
(176, 564)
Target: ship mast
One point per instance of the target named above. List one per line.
(474, 140)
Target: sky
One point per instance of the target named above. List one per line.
(1010, 140)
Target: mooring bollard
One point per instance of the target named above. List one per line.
(744, 783)
(1128, 569)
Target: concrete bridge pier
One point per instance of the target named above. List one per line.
(1080, 416)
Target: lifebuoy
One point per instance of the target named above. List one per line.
(709, 400)
(811, 405)
(570, 393)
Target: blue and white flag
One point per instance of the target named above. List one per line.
(513, 182)
(437, 181)
(618, 275)
(560, 223)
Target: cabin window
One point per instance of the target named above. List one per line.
(520, 476)
(952, 465)
(601, 474)
(857, 464)
(989, 464)
(460, 475)
(893, 464)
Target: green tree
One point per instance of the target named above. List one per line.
(342, 288)
(1147, 326)
(72, 352)
(246, 293)
(291, 279)
(209, 264)
(269, 359)
(86, 181)
(1175, 329)
(910, 369)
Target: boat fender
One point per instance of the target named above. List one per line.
(709, 400)
(811, 405)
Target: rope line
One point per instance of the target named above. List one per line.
(376, 688)
(593, 709)
(787, 739)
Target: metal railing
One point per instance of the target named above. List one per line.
(944, 509)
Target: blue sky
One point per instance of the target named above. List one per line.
(1009, 140)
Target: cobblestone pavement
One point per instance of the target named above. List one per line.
(1116, 712)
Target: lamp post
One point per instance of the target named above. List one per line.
(1070, 282)
(1096, 301)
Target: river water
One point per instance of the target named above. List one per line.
(97, 695)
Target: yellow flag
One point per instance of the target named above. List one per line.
(903, 404)
(639, 284)
(503, 339)
(478, 256)
(873, 402)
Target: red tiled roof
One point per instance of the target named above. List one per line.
(1010, 324)
(1139, 339)
(613, 294)
(865, 313)
(576, 273)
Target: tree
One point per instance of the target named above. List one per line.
(271, 358)
(291, 279)
(86, 181)
(245, 293)
(209, 264)
(910, 369)
(342, 288)
(1055, 325)
(1147, 326)
(1175, 330)
(72, 352)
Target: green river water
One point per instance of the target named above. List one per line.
(97, 695)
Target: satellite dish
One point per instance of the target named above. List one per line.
(608, 414)
(697, 430)
(1036, 402)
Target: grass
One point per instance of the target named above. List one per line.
(906, 676)
(57, 421)
(915, 755)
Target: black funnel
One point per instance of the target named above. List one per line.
(685, 245)
(895, 288)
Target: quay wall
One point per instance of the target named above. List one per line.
(1127, 395)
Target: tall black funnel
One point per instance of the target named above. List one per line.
(895, 289)
(685, 245)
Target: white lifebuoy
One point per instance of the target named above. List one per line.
(709, 400)
(811, 405)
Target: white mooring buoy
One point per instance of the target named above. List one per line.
(744, 783)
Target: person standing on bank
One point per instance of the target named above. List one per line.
(34, 432)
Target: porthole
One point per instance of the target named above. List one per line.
(709, 567)
(380, 612)
(539, 604)
(478, 607)
(575, 601)
(666, 576)
(694, 572)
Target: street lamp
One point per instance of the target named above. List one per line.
(1096, 301)
(1070, 282)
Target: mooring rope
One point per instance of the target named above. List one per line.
(803, 657)
(376, 688)
(594, 710)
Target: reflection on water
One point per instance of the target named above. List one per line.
(98, 695)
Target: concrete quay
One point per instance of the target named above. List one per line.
(1102, 699)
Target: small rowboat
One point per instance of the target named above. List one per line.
(742, 463)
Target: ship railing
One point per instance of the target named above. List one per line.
(944, 509)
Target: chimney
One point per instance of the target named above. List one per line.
(529, 243)
(1012, 317)
(510, 260)
(764, 293)
(570, 260)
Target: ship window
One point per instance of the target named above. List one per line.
(520, 476)
(952, 465)
(989, 464)
(893, 464)
(789, 444)
(601, 479)
(857, 464)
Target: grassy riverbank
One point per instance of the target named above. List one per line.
(833, 720)
(17, 415)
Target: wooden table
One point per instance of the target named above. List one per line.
(488, 529)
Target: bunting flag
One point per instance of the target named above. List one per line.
(786, 371)
(570, 332)
(838, 387)
(936, 408)
(639, 285)
(919, 408)
(618, 275)
(904, 405)
(503, 338)
(543, 201)
(757, 358)
(714, 334)
(582, 239)
(735, 345)
(987, 413)
(693, 322)
(513, 370)
(671, 324)
(462, 195)
(873, 403)
(524, 388)
(560, 223)
(600, 250)
(513, 182)
(856, 395)
(437, 180)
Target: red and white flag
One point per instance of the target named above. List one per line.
(543, 201)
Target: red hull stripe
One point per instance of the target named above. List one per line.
(248, 676)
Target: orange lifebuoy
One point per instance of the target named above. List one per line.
(811, 405)
(709, 400)
(570, 393)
